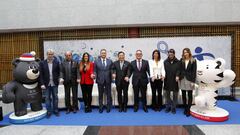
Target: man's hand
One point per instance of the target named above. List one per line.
(43, 87)
(126, 79)
(113, 76)
(61, 81)
(177, 78)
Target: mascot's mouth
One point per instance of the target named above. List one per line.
(199, 73)
(31, 75)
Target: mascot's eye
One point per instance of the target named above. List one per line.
(31, 67)
(34, 67)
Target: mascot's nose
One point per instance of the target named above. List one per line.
(35, 71)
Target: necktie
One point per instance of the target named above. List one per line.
(139, 65)
(104, 63)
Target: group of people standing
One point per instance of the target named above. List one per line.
(171, 73)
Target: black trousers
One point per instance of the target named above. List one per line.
(156, 87)
(68, 88)
(105, 88)
(143, 89)
(122, 91)
(186, 104)
(87, 94)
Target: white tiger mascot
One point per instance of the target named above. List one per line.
(211, 75)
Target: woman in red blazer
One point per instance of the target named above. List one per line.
(87, 76)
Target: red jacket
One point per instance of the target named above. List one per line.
(86, 76)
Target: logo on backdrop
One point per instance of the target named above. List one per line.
(162, 46)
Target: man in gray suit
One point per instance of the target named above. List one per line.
(70, 77)
(102, 71)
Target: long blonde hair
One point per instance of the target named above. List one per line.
(190, 55)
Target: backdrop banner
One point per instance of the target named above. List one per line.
(202, 47)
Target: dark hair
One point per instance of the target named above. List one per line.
(171, 51)
(120, 53)
(159, 55)
(189, 51)
(87, 55)
(103, 50)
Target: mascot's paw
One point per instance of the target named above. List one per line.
(8, 96)
(200, 101)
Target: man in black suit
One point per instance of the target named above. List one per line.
(49, 80)
(140, 71)
(70, 78)
(121, 71)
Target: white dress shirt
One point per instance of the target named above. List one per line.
(156, 69)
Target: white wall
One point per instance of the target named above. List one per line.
(42, 14)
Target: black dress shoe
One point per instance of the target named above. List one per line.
(89, 109)
(108, 109)
(174, 111)
(68, 111)
(57, 114)
(167, 110)
(48, 115)
(125, 109)
(101, 110)
(145, 109)
(135, 109)
(74, 110)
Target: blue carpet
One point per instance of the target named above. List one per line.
(140, 118)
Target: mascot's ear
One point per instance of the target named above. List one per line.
(220, 63)
(37, 60)
(15, 61)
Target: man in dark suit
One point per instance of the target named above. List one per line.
(102, 71)
(121, 71)
(49, 80)
(140, 71)
(70, 77)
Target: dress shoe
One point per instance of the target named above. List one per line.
(48, 115)
(120, 109)
(125, 109)
(74, 110)
(57, 114)
(89, 109)
(145, 109)
(173, 111)
(68, 111)
(101, 110)
(108, 109)
(167, 110)
(135, 109)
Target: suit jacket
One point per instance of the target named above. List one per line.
(190, 71)
(65, 72)
(103, 74)
(86, 76)
(121, 73)
(140, 75)
(44, 72)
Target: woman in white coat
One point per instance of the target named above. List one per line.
(157, 75)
